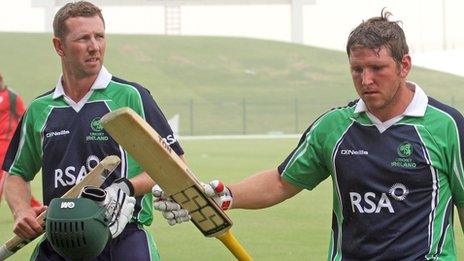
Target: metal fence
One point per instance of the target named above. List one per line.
(242, 117)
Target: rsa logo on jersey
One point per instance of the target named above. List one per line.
(372, 202)
(96, 133)
(70, 175)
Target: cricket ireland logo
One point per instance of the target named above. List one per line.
(404, 150)
(96, 133)
(96, 125)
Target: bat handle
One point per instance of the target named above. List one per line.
(4, 252)
(234, 246)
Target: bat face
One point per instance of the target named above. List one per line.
(204, 215)
(163, 165)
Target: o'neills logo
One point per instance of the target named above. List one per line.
(354, 152)
(56, 133)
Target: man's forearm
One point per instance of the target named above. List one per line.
(142, 184)
(261, 190)
(17, 193)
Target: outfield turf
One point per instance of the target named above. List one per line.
(297, 229)
(217, 74)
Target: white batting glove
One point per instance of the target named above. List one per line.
(219, 193)
(118, 203)
(172, 212)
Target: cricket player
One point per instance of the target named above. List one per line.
(395, 157)
(61, 134)
(11, 110)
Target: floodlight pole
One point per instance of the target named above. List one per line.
(49, 12)
(297, 21)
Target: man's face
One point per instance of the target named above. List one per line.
(83, 47)
(378, 79)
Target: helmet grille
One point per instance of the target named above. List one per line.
(65, 234)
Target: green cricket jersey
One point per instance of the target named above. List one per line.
(66, 140)
(394, 183)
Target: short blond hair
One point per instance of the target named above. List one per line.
(77, 9)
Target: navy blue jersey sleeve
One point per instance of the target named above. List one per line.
(155, 117)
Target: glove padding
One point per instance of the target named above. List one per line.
(172, 212)
(219, 193)
(117, 201)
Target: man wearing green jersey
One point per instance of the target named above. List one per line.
(61, 134)
(395, 157)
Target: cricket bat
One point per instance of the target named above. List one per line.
(95, 177)
(171, 173)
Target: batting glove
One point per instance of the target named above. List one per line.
(172, 212)
(219, 193)
(117, 201)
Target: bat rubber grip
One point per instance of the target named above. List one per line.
(5, 253)
(234, 246)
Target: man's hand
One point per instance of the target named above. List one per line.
(119, 204)
(172, 211)
(118, 201)
(219, 193)
(26, 225)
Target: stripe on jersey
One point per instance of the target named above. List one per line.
(435, 186)
(142, 111)
(339, 213)
(22, 140)
(444, 229)
(458, 170)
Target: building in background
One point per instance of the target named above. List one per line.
(430, 25)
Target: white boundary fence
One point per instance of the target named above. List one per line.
(241, 137)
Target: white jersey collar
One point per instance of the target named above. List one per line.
(102, 81)
(416, 108)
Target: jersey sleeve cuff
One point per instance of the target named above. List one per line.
(25, 178)
(294, 182)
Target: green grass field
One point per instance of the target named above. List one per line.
(297, 229)
(217, 74)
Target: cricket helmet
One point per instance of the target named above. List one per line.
(76, 228)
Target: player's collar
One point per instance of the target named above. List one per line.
(103, 79)
(416, 108)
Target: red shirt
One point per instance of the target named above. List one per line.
(7, 122)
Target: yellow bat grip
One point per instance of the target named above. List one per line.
(234, 246)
